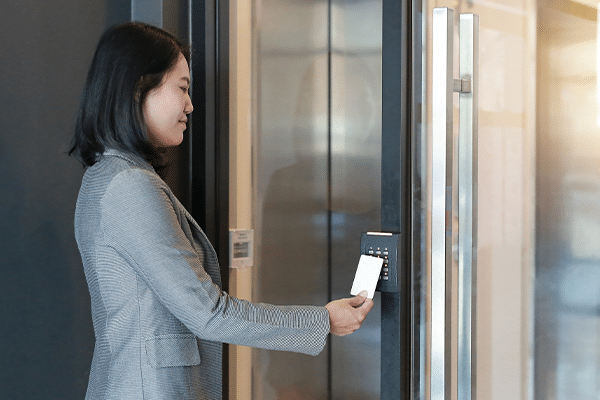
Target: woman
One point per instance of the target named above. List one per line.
(158, 310)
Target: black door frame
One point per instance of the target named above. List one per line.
(209, 143)
(402, 195)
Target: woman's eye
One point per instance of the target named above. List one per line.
(185, 89)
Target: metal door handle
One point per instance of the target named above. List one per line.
(452, 342)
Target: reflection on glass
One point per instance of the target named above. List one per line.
(292, 218)
(317, 185)
(355, 182)
(568, 206)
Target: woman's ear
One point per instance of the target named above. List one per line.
(144, 81)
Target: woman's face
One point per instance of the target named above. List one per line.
(166, 107)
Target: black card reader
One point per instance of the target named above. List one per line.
(383, 245)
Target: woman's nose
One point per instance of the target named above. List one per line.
(188, 107)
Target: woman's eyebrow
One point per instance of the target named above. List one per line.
(186, 79)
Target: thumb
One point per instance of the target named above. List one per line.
(358, 299)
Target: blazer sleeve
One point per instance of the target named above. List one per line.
(139, 221)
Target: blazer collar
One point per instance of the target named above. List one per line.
(129, 157)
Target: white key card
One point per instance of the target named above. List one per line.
(367, 275)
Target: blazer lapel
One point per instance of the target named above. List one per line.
(201, 242)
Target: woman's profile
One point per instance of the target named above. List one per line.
(158, 309)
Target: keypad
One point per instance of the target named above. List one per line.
(383, 245)
(381, 253)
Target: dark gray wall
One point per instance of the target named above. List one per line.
(46, 336)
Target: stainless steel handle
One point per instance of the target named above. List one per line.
(452, 311)
(441, 197)
(467, 206)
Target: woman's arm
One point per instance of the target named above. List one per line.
(140, 223)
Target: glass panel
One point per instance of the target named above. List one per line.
(291, 185)
(355, 182)
(506, 196)
(568, 206)
(550, 101)
(317, 182)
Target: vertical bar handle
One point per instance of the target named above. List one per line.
(467, 206)
(441, 213)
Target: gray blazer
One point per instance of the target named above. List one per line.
(158, 311)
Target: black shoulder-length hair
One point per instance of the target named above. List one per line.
(130, 60)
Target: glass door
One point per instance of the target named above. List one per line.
(502, 356)
(538, 259)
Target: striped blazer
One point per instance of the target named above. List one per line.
(158, 311)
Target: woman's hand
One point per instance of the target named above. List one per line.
(347, 315)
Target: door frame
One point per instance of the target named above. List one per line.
(209, 143)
